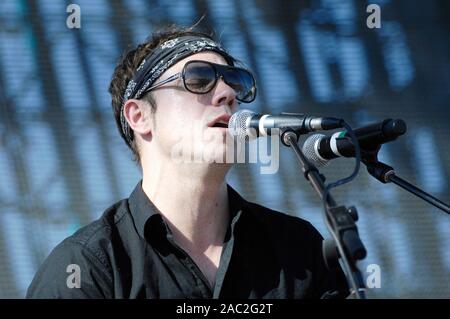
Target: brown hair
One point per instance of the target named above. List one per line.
(129, 62)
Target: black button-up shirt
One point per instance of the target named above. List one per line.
(130, 253)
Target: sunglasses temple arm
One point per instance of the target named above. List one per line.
(169, 79)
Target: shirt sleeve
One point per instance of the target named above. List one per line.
(72, 271)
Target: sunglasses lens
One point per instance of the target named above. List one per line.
(242, 82)
(199, 77)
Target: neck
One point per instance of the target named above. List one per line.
(191, 197)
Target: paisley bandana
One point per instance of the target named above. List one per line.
(158, 61)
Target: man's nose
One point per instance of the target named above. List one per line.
(223, 94)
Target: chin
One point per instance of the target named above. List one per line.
(218, 153)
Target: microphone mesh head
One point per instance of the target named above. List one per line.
(237, 125)
(310, 148)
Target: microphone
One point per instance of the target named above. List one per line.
(319, 149)
(246, 123)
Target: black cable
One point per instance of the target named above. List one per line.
(353, 281)
(355, 172)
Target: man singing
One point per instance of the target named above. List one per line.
(183, 232)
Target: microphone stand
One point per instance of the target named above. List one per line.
(385, 174)
(340, 222)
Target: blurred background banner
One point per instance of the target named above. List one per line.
(62, 161)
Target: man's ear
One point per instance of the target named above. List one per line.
(137, 114)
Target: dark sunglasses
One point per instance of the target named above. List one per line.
(200, 77)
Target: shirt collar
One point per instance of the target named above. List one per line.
(142, 208)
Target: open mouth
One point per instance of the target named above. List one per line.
(220, 124)
(220, 121)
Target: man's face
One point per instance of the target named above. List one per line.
(183, 120)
